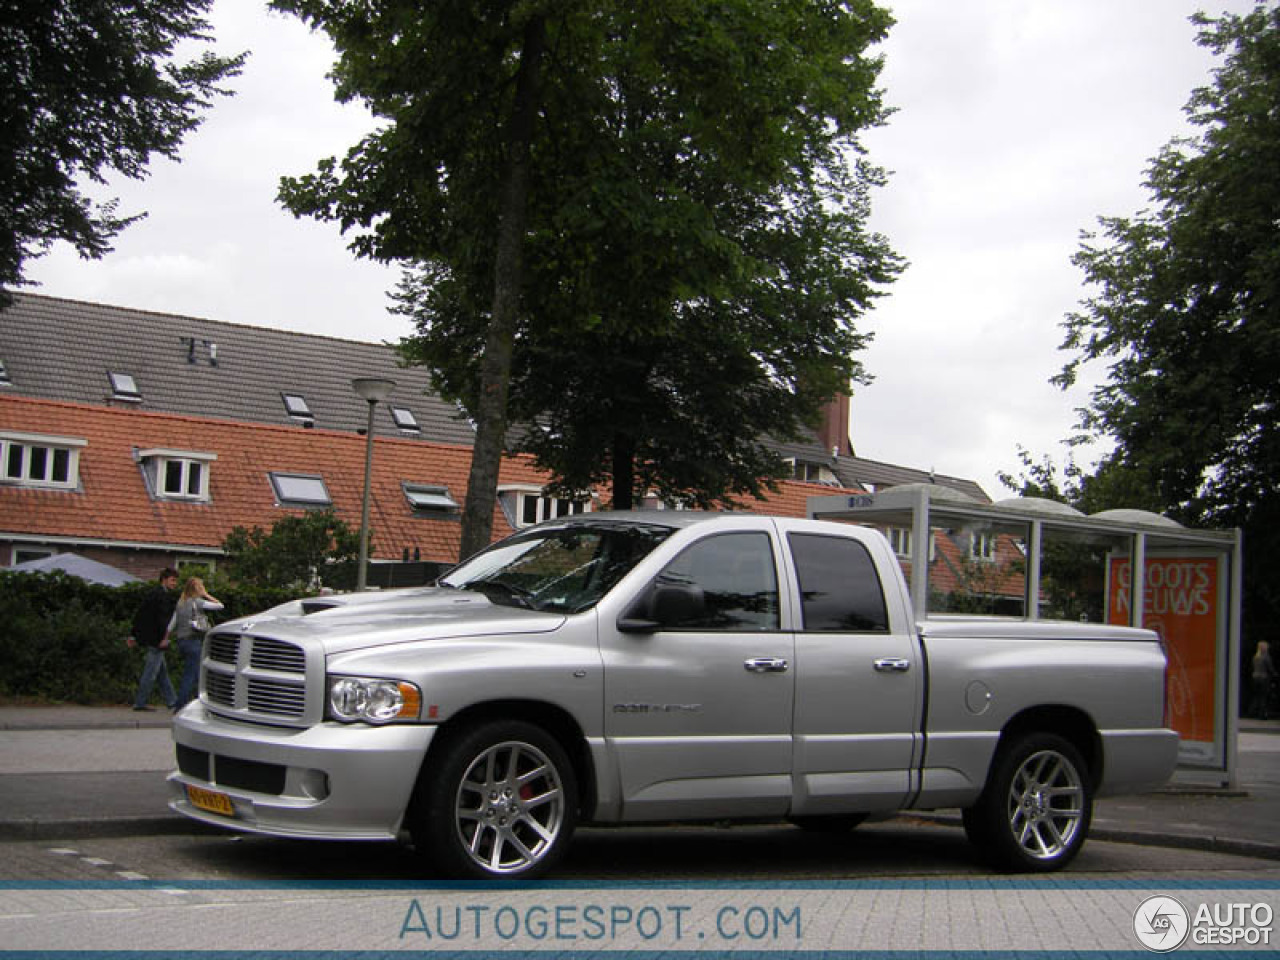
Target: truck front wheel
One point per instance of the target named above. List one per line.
(499, 802)
(1034, 812)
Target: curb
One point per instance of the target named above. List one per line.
(13, 831)
(17, 831)
(1258, 849)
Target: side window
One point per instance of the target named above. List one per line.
(738, 583)
(840, 590)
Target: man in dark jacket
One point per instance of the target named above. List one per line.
(150, 624)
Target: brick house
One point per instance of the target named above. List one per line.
(141, 439)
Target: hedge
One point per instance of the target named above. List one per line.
(63, 639)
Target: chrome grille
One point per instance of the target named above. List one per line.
(220, 688)
(275, 655)
(223, 648)
(255, 677)
(278, 699)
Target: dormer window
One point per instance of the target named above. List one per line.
(296, 406)
(810, 471)
(405, 420)
(526, 505)
(4, 376)
(35, 460)
(177, 474)
(124, 387)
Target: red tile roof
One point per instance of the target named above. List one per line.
(113, 504)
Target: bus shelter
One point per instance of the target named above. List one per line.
(1039, 559)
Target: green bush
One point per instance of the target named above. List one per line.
(64, 639)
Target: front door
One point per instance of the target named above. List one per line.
(698, 712)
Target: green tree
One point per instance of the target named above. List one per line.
(446, 179)
(700, 252)
(680, 160)
(298, 552)
(1187, 309)
(87, 88)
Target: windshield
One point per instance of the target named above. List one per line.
(565, 569)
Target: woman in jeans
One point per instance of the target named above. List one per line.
(189, 624)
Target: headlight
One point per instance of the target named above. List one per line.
(373, 700)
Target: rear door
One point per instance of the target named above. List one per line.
(858, 680)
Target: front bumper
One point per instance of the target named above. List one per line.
(331, 781)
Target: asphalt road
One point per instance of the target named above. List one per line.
(898, 849)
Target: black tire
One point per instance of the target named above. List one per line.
(499, 802)
(1033, 815)
(829, 823)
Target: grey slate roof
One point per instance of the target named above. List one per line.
(855, 472)
(63, 350)
(60, 349)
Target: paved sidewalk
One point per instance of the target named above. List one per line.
(69, 771)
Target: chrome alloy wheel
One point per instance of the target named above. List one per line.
(1046, 804)
(510, 807)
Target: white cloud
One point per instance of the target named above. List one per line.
(1019, 122)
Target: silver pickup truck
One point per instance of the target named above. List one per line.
(655, 667)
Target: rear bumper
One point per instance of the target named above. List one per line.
(331, 781)
(1137, 760)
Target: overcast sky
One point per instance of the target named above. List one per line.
(1018, 123)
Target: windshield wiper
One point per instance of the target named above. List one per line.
(517, 596)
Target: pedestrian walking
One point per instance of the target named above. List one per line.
(150, 632)
(1262, 674)
(189, 624)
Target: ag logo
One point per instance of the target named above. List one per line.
(1161, 923)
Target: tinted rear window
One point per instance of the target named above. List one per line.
(840, 589)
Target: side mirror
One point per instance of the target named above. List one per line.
(664, 605)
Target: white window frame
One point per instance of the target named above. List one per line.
(543, 507)
(901, 539)
(210, 563)
(982, 547)
(156, 462)
(52, 446)
(279, 478)
(814, 472)
(36, 553)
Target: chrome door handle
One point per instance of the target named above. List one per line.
(766, 665)
(893, 665)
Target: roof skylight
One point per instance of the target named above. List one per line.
(429, 497)
(123, 386)
(405, 420)
(295, 404)
(300, 489)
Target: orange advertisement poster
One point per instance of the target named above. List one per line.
(1181, 605)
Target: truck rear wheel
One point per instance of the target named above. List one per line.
(1033, 814)
(499, 803)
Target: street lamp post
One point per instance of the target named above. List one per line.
(373, 390)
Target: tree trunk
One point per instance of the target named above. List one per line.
(495, 370)
(624, 472)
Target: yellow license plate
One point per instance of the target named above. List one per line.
(210, 800)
